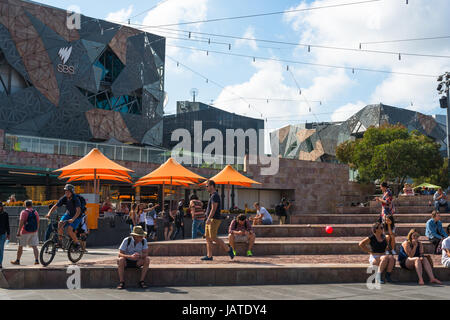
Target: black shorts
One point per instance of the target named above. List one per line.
(150, 229)
(131, 264)
(167, 224)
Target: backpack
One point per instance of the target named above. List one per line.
(31, 223)
(82, 202)
(279, 209)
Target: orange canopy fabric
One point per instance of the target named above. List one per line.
(230, 176)
(96, 162)
(91, 177)
(170, 171)
(173, 182)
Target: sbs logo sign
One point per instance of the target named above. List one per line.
(64, 55)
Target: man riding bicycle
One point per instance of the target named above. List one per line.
(73, 216)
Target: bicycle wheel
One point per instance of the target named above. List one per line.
(75, 254)
(48, 252)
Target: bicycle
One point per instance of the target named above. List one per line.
(51, 246)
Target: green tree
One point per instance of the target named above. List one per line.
(437, 177)
(391, 153)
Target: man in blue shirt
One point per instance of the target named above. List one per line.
(434, 231)
(73, 216)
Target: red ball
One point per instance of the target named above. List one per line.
(329, 230)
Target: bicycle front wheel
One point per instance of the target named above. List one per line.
(75, 253)
(48, 252)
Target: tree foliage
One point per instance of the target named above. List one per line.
(391, 153)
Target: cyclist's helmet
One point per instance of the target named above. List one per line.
(70, 188)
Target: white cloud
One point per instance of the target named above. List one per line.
(120, 16)
(350, 25)
(249, 34)
(345, 112)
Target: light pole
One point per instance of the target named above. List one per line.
(444, 86)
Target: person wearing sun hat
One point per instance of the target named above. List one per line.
(133, 253)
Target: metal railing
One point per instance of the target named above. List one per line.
(21, 143)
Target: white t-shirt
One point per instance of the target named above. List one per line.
(150, 218)
(445, 257)
(132, 248)
(265, 213)
(142, 217)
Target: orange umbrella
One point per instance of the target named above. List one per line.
(229, 176)
(170, 173)
(75, 178)
(92, 165)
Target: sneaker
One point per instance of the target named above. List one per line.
(388, 252)
(388, 277)
(394, 252)
(234, 252)
(231, 253)
(249, 253)
(16, 263)
(206, 258)
(36, 262)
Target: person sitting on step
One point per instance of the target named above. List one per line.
(133, 253)
(241, 231)
(376, 246)
(262, 216)
(411, 257)
(446, 250)
(435, 232)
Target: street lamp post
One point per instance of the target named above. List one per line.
(444, 86)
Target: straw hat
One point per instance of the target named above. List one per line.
(139, 232)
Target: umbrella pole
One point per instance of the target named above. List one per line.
(229, 197)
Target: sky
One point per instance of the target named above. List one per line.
(284, 93)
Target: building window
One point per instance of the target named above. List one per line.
(309, 145)
(111, 66)
(11, 81)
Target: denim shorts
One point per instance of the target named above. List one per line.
(74, 225)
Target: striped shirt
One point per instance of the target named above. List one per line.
(197, 211)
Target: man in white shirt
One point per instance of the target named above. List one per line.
(262, 216)
(440, 200)
(446, 251)
(133, 253)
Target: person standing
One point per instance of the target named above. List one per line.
(198, 216)
(27, 233)
(282, 209)
(179, 221)
(150, 217)
(168, 222)
(4, 232)
(387, 213)
(213, 222)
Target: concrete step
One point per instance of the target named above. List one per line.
(318, 230)
(272, 246)
(187, 271)
(361, 218)
(369, 210)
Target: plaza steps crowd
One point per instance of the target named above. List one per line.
(301, 252)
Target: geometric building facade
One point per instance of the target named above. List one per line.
(318, 141)
(188, 113)
(94, 83)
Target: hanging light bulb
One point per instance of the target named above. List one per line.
(189, 35)
(360, 46)
(229, 46)
(254, 60)
(287, 68)
(400, 56)
(207, 53)
(207, 81)
(309, 48)
(353, 71)
(209, 41)
(178, 64)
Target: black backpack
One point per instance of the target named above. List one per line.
(31, 223)
(279, 209)
(82, 202)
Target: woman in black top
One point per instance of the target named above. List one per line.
(376, 245)
(4, 232)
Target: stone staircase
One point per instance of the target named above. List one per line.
(290, 254)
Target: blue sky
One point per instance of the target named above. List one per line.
(341, 92)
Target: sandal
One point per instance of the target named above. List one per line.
(142, 285)
(121, 286)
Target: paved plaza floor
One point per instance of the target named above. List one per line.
(253, 293)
